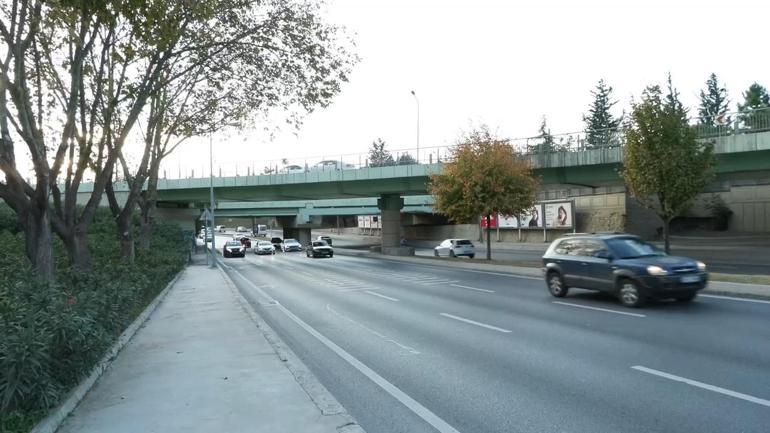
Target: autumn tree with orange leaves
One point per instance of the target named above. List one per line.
(484, 177)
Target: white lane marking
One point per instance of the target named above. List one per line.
(599, 309)
(384, 337)
(381, 296)
(757, 301)
(412, 404)
(702, 385)
(473, 322)
(353, 290)
(472, 288)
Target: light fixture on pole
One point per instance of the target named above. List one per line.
(211, 204)
(418, 126)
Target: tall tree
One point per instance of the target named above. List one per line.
(665, 167)
(714, 104)
(483, 177)
(602, 126)
(406, 159)
(755, 109)
(545, 141)
(378, 155)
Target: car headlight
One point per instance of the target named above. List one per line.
(656, 270)
(701, 266)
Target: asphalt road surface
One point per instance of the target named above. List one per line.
(418, 348)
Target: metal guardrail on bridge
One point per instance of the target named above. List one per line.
(576, 148)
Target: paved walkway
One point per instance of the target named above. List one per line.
(200, 364)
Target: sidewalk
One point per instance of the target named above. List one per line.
(714, 287)
(201, 364)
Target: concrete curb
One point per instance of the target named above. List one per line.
(56, 416)
(319, 395)
(714, 287)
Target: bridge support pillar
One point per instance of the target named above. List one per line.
(390, 206)
(300, 234)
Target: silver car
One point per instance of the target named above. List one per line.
(264, 247)
(455, 248)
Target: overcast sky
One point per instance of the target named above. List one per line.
(506, 64)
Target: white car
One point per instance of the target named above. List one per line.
(332, 164)
(220, 229)
(291, 245)
(264, 247)
(292, 169)
(455, 248)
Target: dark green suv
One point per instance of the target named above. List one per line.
(623, 265)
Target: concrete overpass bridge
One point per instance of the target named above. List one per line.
(298, 199)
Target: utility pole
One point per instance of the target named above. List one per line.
(418, 126)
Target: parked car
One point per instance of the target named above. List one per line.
(264, 247)
(455, 248)
(276, 243)
(319, 249)
(241, 229)
(291, 245)
(326, 239)
(623, 265)
(233, 249)
(220, 229)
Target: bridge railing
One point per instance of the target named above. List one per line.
(575, 148)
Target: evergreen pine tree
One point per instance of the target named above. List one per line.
(378, 155)
(601, 126)
(713, 104)
(546, 141)
(755, 110)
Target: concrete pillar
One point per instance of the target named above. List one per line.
(300, 234)
(390, 206)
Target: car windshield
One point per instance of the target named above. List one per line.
(319, 244)
(233, 244)
(265, 244)
(290, 241)
(632, 248)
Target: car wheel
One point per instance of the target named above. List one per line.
(472, 256)
(435, 253)
(687, 298)
(331, 255)
(451, 253)
(556, 286)
(629, 294)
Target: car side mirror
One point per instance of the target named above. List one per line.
(603, 254)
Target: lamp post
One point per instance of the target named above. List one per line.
(418, 125)
(211, 204)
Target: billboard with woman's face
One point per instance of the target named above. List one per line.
(532, 218)
(558, 214)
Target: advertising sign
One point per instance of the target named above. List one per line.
(558, 215)
(492, 221)
(507, 221)
(532, 218)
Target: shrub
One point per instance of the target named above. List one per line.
(51, 335)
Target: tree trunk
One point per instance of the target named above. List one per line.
(489, 234)
(126, 236)
(39, 241)
(666, 243)
(76, 244)
(145, 230)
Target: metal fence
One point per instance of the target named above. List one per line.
(707, 127)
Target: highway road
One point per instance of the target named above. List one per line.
(421, 348)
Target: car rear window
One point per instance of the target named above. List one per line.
(463, 242)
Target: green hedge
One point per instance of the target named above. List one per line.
(52, 335)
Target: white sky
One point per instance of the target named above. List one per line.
(506, 64)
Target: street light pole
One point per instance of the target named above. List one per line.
(211, 204)
(418, 125)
